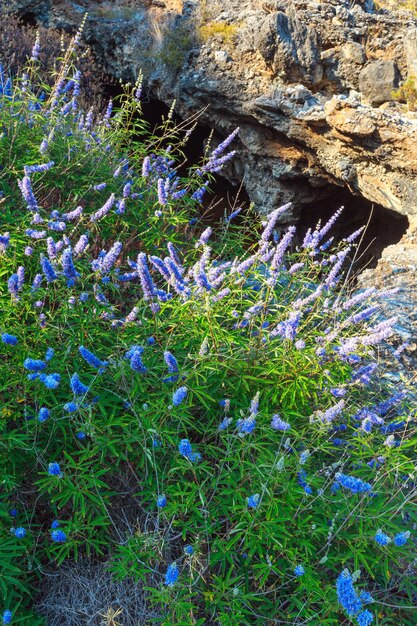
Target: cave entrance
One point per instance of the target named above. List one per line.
(222, 195)
(383, 227)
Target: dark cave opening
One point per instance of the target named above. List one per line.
(383, 227)
(222, 195)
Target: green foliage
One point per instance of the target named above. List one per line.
(177, 42)
(220, 30)
(242, 569)
(407, 92)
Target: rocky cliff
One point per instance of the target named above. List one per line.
(309, 82)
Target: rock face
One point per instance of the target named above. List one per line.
(309, 83)
(397, 269)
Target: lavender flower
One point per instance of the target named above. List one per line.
(246, 426)
(254, 405)
(35, 234)
(243, 267)
(221, 294)
(161, 502)
(161, 267)
(104, 209)
(225, 423)
(58, 227)
(334, 275)
(171, 575)
(30, 169)
(58, 536)
(111, 257)
(25, 186)
(107, 115)
(77, 386)
(185, 449)
(204, 237)
(301, 479)
(47, 269)
(401, 538)
(70, 407)
(346, 594)
(355, 485)
(382, 538)
(4, 241)
(224, 144)
(379, 333)
(11, 340)
(179, 395)
(148, 286)
(44, 146)
(136, 362)
(34, 365)
(364, 373)
(91, 358)
(73, 215)
(273, 218)
(234, 214)
(171, 362)
(354, 235)
(328, 416)
(54, 469)
(338, 392)
(294, 268)
(43, 414)
(288, 328)
(279, 255)
(365, 618)
(199, 193)
(51, 381)
(279, 424)
(36, 219)
(81, 245)
(68, 265)
(162, 194)
(253, 501)
(146, 167)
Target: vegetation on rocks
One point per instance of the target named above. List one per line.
(202, 414)
(407, 93)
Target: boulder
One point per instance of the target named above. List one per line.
(378, 80)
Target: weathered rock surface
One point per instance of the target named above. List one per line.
(309, 83)
(377, 81)
(397, 269)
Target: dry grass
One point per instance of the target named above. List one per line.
(395, 5)
(85, 594)
(16, 43)
(220, 30)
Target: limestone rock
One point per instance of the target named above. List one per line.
(378, 80)
(410, 50)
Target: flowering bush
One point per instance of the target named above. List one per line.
(203, 413)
